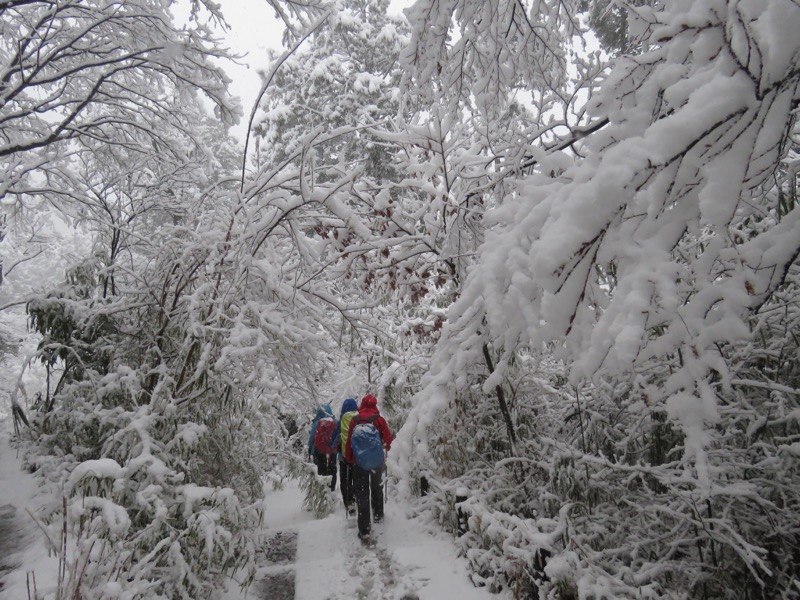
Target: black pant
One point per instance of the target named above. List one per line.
(368, 486)
(346, 477)
(326, 465)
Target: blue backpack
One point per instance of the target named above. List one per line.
(367, 444)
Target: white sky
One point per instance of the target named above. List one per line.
(254, 30)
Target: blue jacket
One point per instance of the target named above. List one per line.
(323, 411)
(350, 406)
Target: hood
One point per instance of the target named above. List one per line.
(324, 411)
(349, 405)
(369, 401)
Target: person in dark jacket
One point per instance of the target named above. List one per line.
(368, 484)
(349, 410)
(326, 463)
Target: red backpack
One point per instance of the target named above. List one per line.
(323, 435)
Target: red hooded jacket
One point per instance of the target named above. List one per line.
(368, 408)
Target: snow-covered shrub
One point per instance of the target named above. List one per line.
(481, 477)
(598, 481)
(657, 259)
(133, 519)
(162, 499)
(318, 496)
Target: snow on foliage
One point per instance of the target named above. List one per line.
(583, 269)
(103, 468)
(648, 265)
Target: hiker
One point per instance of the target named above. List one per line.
(368, 440)
(320, 447)
(349, 410)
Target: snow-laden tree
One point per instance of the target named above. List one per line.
(76, 69)
(409, 225)
(101, 119)
(656, 258)
(344, 74)
(331, 108)
(80, 78)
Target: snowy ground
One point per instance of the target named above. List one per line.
(406, 563)
(23, 553)
(301, 558)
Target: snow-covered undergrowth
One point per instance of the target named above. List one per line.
(596, 500)
(129, 521)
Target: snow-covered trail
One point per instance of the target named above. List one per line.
(407, 562)
(12, 540)
(23, 553)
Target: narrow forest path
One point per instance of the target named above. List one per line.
(20, 539)
(11, 542)
(303, 558)
(277, 551)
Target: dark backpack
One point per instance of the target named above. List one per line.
(366, 444)
(323, 435)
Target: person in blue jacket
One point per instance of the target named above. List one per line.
(367, 482)
(326, 463)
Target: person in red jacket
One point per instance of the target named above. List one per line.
(367, 484)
